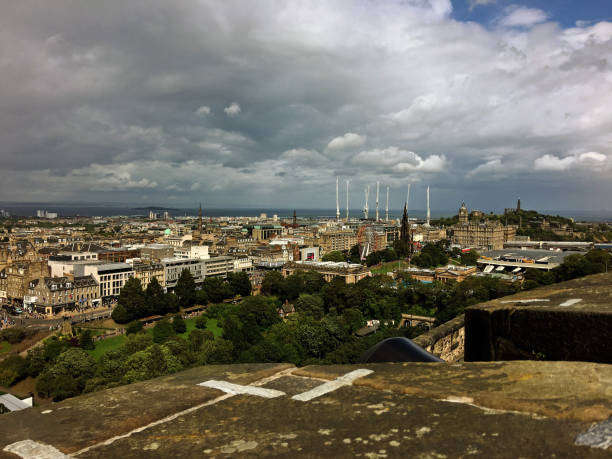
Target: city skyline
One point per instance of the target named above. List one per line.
(264, 105)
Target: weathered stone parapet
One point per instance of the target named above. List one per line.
(569, 321)
(446, 341)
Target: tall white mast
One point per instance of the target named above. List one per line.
(337, 201)
(408, 195)
(428, 211)
(347, 199)
(377, 186)
(387, 206)
(365, 209)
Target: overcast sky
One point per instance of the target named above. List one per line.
(264, 103)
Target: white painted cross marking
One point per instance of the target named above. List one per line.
(571, 302)
(331, 386)
(236, 389)
(31, 448)
(534, 300)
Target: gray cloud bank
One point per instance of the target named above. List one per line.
(263, 103)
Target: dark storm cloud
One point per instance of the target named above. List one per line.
(265, 102)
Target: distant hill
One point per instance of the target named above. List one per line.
(153, 208)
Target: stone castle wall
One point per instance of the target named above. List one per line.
(446, 341)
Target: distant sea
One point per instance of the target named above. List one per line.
(108, 210)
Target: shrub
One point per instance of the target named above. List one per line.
(120, 314)
(13, 335)
(134, 327)
(201, 322)
(179, 324)
(86, 340)
(12, 369)
(162, 331)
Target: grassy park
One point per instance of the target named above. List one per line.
(103, 346)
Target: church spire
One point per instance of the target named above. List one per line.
(405, 229)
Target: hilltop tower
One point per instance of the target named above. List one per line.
(518, 205)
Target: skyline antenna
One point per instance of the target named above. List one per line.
(377, 187)
(365, 209)
(387, 206)
(347, 199)
(428, 211)
(337, 200)
(407, 196)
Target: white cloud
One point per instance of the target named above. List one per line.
(474, 3)
(348, 140)
(591, 160)
(518, 16)
(203, 111)
(397, 161)
(233, 110)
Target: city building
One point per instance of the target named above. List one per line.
(17, 277)
(442, 274)
(487, 234)
(53, 295)
(145, 272)
(351, 273)
(156, 252)
(173, 267)
(111, 276)
(118, 255)
(341, 239)
(262, 232)
(192, 251)
(218, 266)
(243, 264)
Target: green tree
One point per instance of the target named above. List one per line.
(134, 327)
(201, 322)
(354, 319)
(217, 289)
(470, 258)
(179, 324)
(244, 325)
(68, 376)
(313, 282)
(201, 297)
(155, 299)
(132, 298)
(335, 256)
(273, 284)
(185, 289)
(12, 369)
(162, 331)
(310, 304)
(36, 361)
(13, 335)
(240, 283)
(86, 340)
(197, 338)
(121, 315)
(171, 303)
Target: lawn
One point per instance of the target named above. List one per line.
(102, 347)
(5, 346)
(388, 267)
